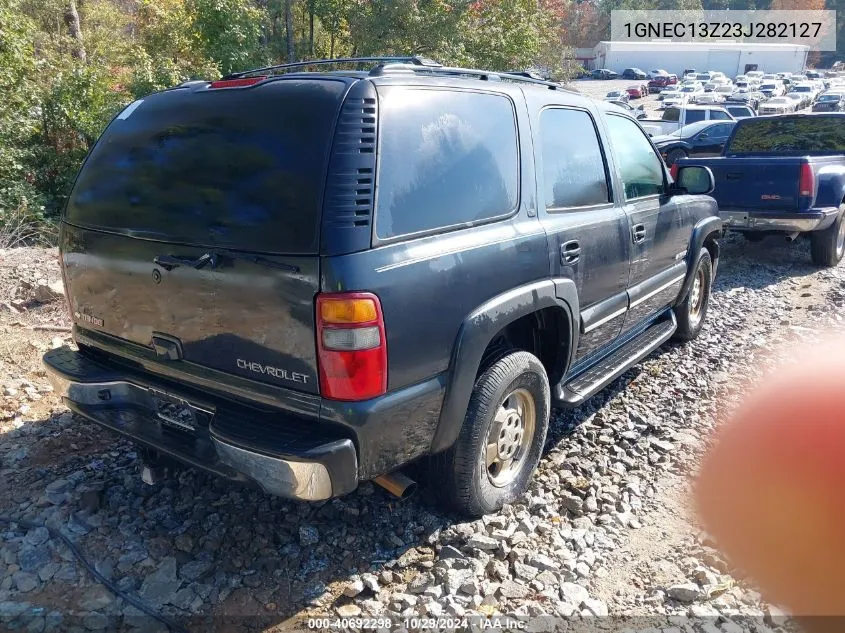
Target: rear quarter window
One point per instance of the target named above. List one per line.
(447, 158)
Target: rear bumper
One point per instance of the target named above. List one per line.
(284, 457)
(812, 220)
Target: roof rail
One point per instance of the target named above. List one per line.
(484, 75)
(416, 60)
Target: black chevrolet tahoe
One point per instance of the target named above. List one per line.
(309, 277)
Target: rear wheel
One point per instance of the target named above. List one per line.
(502, 436)
(827, 247)
(691, 312)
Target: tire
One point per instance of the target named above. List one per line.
(827, 247)
(675, 155)
(692, 311)
(472, 483)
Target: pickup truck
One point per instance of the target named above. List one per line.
(784, 175)
(676, 117)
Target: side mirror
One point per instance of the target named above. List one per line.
(694, 180)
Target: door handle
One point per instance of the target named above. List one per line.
(638, 233)
(570, 252)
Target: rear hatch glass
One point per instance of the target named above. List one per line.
(793, 135)
(236, 168)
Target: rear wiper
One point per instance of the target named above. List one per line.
(263, 261)
(169, 262)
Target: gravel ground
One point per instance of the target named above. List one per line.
(606, 528)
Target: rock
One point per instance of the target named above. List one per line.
(703, 611)
(96, 598)
(160, 586)
(308, 535)
(370, 582)
(525, 572)
(455, 578)
(353, 588)
(32, 558)
(482, 542)
(686, 592)
(542, 562)
(46, 572)
(434, 609)
(572, 503)
(595, 606)
(349, 611)
(663, 446)
(420, 583)
(37, 536)
(25, 582)
(498, 570)
(194, 570)
(513, 590)
(573, 593)
(448, 552)
(45, 292)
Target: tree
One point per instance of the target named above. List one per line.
(74, 29)
(289, 31)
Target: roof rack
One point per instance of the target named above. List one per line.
(416, 60)
(484, 75)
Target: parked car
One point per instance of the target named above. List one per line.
(617, 95)
(656, 84)
(785, 175)
(806, 88)
(604, 73)
(777, 105)
(676, 100)
(634, 73)
(689, 72)
(800, 99)
(739, 110)
(675, 118)
(772, 89)
(706, 138)
(657, 72)
(692, 92)
(289, 344)
(673, 79)
(717, 82)
(830, 102)
(635, 92)
(667, 92)
(703, 77)
(749, 97)
(719, 95)
(638, 112)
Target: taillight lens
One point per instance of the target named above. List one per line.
(351, 345)
(237, 83)
(807, 181)
(673, 170)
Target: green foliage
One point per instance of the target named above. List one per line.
(229, 32)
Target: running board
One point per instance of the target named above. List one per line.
(590, 382)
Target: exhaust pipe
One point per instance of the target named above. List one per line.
(791, 237)
(397, 484)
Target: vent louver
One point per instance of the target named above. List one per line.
(350, 188)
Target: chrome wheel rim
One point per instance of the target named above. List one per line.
(696, 295)
(840, 239)
(510, 437)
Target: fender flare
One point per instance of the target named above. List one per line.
(708, 227)
(480, 327)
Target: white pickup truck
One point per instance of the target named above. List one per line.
(676, 117)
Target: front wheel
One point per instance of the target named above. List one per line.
(691, 312)
(502, 436)
(827, 247)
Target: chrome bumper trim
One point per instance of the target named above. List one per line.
(303, 480)
(743, 220)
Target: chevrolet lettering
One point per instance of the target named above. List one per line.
(275, 372)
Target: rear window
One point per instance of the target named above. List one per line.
(448, 158)
(238, 168)
(789, 135)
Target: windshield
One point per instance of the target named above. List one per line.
(725, 89)
(802, 89)
(615, 93)
(768, 87)
(830, 98)
(815, 134)
(689, 89)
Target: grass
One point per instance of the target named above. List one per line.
(22, 227)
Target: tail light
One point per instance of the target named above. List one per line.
(351, 346)
(807, 181)
(237, 83)
(673, 171)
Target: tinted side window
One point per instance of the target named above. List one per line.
(447, 158)
(718, 115)
(671, 114)
(639, 166)
(694, 116)
(573, 166)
